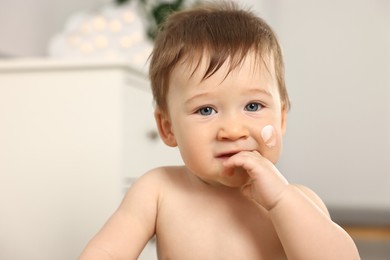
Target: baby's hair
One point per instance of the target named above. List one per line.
(216, 31)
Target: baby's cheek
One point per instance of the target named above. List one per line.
(272, 143)
(269, 136)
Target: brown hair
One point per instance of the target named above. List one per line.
(222, 31)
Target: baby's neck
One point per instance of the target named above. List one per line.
(212, 187)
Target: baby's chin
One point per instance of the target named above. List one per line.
(235, 179)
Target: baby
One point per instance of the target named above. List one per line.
(218, 82)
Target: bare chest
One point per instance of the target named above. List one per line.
(214, 228)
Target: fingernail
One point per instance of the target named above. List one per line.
(268, 135)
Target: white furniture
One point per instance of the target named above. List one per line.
(72, 135)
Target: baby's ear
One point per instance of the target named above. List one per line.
(164, 127)
(283, 119)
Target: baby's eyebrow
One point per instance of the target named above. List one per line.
(259, 91)
(197, 96)
(252, 91)
(256, 91)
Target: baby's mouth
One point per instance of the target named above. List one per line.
(226, 155)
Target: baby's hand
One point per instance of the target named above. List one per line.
(266, 183)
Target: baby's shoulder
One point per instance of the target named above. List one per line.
(163, 173)
(150, 186)
(161, 177)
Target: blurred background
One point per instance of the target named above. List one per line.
(73, 77)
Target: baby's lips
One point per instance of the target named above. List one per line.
(268, 135)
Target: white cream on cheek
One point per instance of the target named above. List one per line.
(268, 135)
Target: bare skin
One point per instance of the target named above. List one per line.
(183, 235)
(246, 224)
(193, 220)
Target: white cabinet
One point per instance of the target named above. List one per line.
(70, 134)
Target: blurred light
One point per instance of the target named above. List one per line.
(128, 16)
(115, 25)
(110, 33)
(99, 22)
(101, 41)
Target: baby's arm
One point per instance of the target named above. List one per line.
(128, 230)
(300, 218)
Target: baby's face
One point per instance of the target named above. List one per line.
(215, 118)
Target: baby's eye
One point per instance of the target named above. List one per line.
(206, 111)
(253, 107)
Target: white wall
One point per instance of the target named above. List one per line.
(337, 56)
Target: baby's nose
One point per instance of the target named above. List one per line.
(232, 130)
